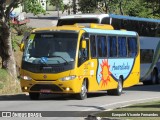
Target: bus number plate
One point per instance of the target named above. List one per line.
(45, 91)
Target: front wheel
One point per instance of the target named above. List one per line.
(118, 90)
(34, 96)
(83, 94)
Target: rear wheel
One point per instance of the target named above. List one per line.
(83, 94)
(34, 96)
(118, 90)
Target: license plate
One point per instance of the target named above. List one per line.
(45, 91)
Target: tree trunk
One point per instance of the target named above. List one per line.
(7, 53)
(74, 7)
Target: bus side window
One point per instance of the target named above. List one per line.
(83, 53)
(105, 20)
(102, 46)
(112, 46)
(122, 48)
(132, 47)
(93, 46)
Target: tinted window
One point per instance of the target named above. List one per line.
(93, 46)
(122, 49)
(105, 20)
(102, 46)
(73, 21)
(54, 47)
(146, 55)
(132, 47)
(112, 46)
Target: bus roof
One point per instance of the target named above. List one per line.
(75, 27)
(100, 16)
(134, 18)
(111, 32)
(85, 16)
(91, 28)
(55, 28)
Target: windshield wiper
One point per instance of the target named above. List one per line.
(60, 57)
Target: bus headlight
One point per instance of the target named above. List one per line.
(26, 77)
(68, 78)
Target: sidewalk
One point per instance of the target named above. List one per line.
(48, 20)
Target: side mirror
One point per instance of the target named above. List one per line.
(22, 47)
(24, 40)
(83, 44)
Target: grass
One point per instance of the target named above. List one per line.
(7, 84)
(138, 109)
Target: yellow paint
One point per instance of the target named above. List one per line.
(88, 70)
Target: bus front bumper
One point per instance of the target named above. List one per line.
(57, 86)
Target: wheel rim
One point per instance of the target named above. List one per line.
(83, 90)
(120, 86)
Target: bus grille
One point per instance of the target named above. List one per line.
(39, 87)
(42, 68)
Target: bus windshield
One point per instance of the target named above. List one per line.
(76, 20)
(51, 48)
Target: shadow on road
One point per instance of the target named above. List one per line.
(62, 97)
(141, 87)
(53, 97)
(47, 18)
(14, 97)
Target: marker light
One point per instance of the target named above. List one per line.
(25, 88)
(67, 89)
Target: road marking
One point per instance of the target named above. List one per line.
(105, 105)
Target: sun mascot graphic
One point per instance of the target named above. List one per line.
(105, 73)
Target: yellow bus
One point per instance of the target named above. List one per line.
(77, 59)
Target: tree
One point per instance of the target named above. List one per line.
(6, 51)
(88, 6)
(33, 6)
(139, 8)
(58, 3)
(154, 7)
(7, 55)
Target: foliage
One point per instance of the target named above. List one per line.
(6, 50)
(20, 30)
(139, 8)
(57, 3)
(34, 7)
(87, 6)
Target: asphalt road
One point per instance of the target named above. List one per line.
(95, 102)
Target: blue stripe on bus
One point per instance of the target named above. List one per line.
(134, 18)
(111, 32)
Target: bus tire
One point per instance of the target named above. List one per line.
(83, 94)
(34, 96)
(154, 78)
(118, 90)
(146, 82)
